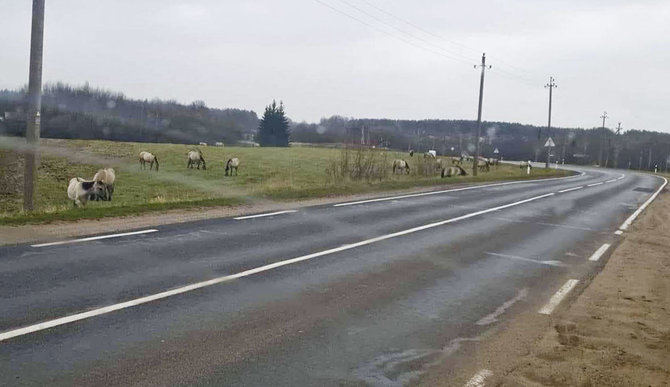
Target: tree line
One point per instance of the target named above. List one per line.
(638, 149)
(91, 113)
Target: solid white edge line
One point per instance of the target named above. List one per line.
(618, 232)
(452, 190)
(627, 223)
(596, 256)
(264, 215)
(594, 184)
(571, 189)
(479, 378)
(558, 297)
(143, 300)
(95, 238)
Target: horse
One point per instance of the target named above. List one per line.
(411, 152)
(431, 154)
(231, 164)
(453, 171)
(483, 165)
(195, 158)
(146, 157)
(106, 178)
(79, 190)
(400, 165)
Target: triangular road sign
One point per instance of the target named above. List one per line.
(496, 151)
(549, 142)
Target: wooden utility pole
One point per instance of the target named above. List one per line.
(479, 114)
(550, 86)
(34, 106)
(616, 145)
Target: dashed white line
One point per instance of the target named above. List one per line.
(549, 263)
(594, 184)
(95, 238)
(599, 253)
(630, 219)
(611, 181)
(264, 215)
(558, 297)
(571, 189)
(188, 288)
(479, 378)
(449, 190)
(618, 232)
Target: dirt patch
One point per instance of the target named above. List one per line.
(616, 333)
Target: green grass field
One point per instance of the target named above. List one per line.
(264, 173)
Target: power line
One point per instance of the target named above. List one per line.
(400, 29)
(370, 4)
(388, 33)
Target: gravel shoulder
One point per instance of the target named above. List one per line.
(613, 332)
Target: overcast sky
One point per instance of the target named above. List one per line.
(372, 58)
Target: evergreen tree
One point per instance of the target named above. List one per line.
(274, 126)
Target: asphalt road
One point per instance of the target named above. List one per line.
(378, 293)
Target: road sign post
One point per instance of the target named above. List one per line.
(549, 144)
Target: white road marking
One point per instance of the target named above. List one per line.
(188, 288)
(594, 184)
(630, 219)
(599, 253)
(493, 317)
(549, 263)
(264, 215)
(618, 232)
(479, 378)
(558, 297)
(611, 181)
(94, 238)
(450, 190)
(571, 189)
(621, 177)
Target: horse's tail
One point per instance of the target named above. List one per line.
(156, 160)
(406, 165)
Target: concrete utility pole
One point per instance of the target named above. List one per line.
(616, 145)
(34, 106)
(550, 86)
(479, 114)
(600, 151)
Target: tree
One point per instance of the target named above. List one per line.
(274, 126)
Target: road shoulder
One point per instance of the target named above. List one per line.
(614, 333)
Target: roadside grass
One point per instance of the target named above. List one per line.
(264, 173)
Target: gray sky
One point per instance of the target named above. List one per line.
(605, 55)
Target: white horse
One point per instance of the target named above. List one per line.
(79, 190)
(146, 157)
(106, 177)
(453, 171)
(400, 165)
(195, 158)
(232, 163)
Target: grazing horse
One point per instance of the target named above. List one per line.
(146, 157)
(79, 190)
(231, 164)
(453, 171)
(195, 158)
(411, 152)
(400, 165)
(483, 165)
(106, 178)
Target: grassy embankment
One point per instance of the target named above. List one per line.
(265, 173)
